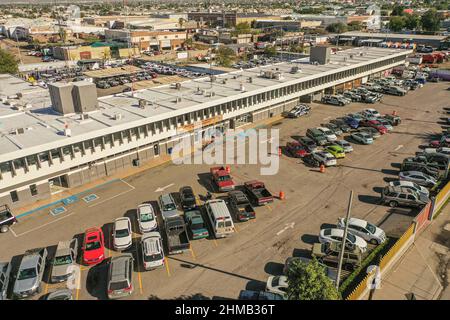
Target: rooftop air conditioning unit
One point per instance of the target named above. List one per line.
(250, 79)
(84, 116)
(178, 100)
(142, 103)
(242, 87)
(224, 81)
(117, 116)
(18, 131)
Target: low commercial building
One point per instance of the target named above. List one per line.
(226, 18)
(43, 149)
(287, 25)
(146, 40)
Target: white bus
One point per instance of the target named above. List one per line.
(220, 218)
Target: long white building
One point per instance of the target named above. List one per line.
(36, 152)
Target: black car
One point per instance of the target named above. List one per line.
(341, 124)
(7, 219)
(187, 198)
(308, 143)
(310, 161)
(421, 167)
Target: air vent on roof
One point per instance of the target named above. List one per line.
(242, 87)
(224, 81)
(142, 103)
(250, 80)
(213, 78)
(84, 116)
(17, 131)
(176, 86)
(295, 70)
(210, 94)
(199, 91)
(117, 116)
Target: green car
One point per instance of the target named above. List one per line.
(195, 224)
(336, 150)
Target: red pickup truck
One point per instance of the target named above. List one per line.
(222, 179)
(257, 192)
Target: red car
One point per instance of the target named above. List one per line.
(93, 249)
(296, 149)
(444, 142)
(374, 124)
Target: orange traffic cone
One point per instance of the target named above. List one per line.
(279, 152)
(281, 195)
(228, 169)
(322, 168)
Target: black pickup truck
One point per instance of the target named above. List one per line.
(177, 236)
(240, 206)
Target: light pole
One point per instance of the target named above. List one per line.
(344, 240)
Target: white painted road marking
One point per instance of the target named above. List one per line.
(41, 226)
(164, 188)
(326, 118)
(288, 225)
(117, 195)
(399, 147)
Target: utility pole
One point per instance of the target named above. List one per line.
(344, 238)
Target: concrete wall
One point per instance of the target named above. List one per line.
(25, 197)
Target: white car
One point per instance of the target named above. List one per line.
(328, 134)
(336, 235)
(345, 145)
(325, 157)
(412, 186)
(442, 150)
(364, 229)
(146, 218)
(371, 113)
(418, 177)
(277, 284)
(122, 235)
(152, 250)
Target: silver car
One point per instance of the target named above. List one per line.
(29, 276)
(120, 272)
(418, 177)
(410, 185)
(64, 260)
(364, 229)
(167, 206)
(398, 196)
(362, 137)
(345, 145)
(61, 294)
(5, 272)
(122, 234)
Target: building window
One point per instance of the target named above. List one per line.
(19, 163)
(98, 142)
(33, 190)
(43, 157)
(78, 147)
(88, 144)
(55, 153)
(156, 149)
(67, 151)
(32, 160)
(126, 134)
(5, 167)
(117, 137)
(14, 196)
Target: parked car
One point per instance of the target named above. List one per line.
(122, 234)
(329, 253)
(259, 295)
(309, 143)
(374, 124)
(296, 149)
(333, 128)
(60, 294)
(441, 150)
(421, 167)
(371, 131)
(386, 123)
(222, 179)
(330, 272)
(410, 185)
(146, 218)
(176, 235)
(62, 264)
(371, 112)
(187, 198)
(351, 122)
(277, 285)
(329, 135)
(167, 206)
(195, 224)
(362, 137)
(336, 150)
(298, 111)
(257, 192)
(240, 206)
(334, 100)
(120, 273)
(5, 276)
(336, 235)
(394, 90)
(152, 250)
(352, 96)
(310, 161)
(394, 119)
(398, 196)
(93, 248)
(7, 218)
(325, 158)
(28, 280)
(420, 178)
(363, 229)
(317, 136)
(345, 145)
(341, 124)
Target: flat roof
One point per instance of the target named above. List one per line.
(112, 72)
(392, 35)
(43, 127)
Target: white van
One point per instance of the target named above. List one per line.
(220, 218)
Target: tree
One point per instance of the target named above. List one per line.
(338, 27)
(242, 28)
(270, 51)
(8, 63)
(224, 56)
(397, 23)
(398, 11)
(308, 281)
(412, 21)
(431, 20)
(354, 26)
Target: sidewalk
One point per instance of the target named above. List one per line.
(424, 268)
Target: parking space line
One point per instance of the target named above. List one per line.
(44, 225)
(215, 242)
(269, 207)
(140, 280)
(77, 295)
(167, 266)
(192, 252)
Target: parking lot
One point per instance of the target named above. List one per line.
(221, 268)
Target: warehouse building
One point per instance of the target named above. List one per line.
(46, 146)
